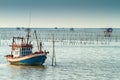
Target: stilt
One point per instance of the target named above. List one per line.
(53, 55)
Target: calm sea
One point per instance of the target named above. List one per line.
(74, 62)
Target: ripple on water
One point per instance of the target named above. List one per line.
(73, 63)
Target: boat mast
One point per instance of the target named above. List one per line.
(40, 47)
(28, 35)
(36, 39)
(28, 29)
(12, 45)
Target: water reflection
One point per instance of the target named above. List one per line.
(18, 72)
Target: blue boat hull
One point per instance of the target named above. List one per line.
(36, 60)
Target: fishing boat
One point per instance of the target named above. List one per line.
(22, 54)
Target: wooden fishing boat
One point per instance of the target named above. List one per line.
(21, 53)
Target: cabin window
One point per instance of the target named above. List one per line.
(26, 51)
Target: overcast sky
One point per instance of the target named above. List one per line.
(60, 13)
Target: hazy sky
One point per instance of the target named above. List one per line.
(60, 13)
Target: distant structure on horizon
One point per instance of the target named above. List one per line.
(71, 29)
(107, 32)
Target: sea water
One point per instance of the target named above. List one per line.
(74, 62)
